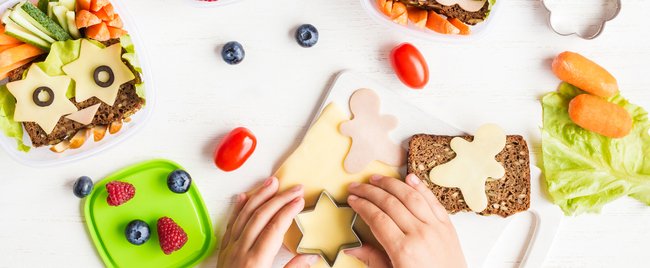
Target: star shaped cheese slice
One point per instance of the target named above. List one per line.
(474, 163)
(41, 98)
(327, 229)
(98, 72)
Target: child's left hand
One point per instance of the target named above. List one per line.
(257, 226)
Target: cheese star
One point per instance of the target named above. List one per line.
(327, 229)
(473, 165)
(98, 72)
(41, 98)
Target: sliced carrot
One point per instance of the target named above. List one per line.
(464, 28)
(101, 14)
(381, 4)
(4, 71)
(98, 32)
(388, 8)
(402, 19)
(18, 53)
(96, 5)
(418, 16)
(439, 24)
(110, 11)
(585, 74)
(596, 114)
(116, 32)
(116, 22)
(83, 5)
(5, 47)
(85, 19)
(8, 40)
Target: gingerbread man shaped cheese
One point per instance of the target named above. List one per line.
(369, 132)
(474, 163)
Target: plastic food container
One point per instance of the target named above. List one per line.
(477, 31)
(42, 156)
(212, 3)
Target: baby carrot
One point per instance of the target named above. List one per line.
(464, 29)
(584, 74)
(600, 116)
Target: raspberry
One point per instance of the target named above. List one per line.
(171, 236)
(119, 193)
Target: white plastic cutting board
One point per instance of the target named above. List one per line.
(478, 234)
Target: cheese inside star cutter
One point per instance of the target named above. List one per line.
(330, 239)
(474, 163)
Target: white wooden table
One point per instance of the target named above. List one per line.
(277, 88)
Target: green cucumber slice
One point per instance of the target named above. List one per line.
(24, 22)
(14, 30)
(44, 21)
(72, 24)
(59, 13)
(42, 5)
(68, 4)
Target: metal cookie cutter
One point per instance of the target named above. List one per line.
(302, 250)
(614, 9)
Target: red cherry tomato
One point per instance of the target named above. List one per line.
(235, 149)
(410, 66)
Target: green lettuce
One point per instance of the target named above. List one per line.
(585, 170)
(9, 127)
(60, 54)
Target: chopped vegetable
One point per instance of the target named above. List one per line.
(585, 74)
(83, 5)
(597, 115)
(441, 25)
(86, 19)
(98, 32)
(464, 28)
(96, 5)
(585, 170)
(116, 32)
(116, 22)
(18, 53)
(418, 16)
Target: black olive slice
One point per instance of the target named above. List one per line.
(102, 69)
(37, 100)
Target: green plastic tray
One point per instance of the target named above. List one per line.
(152, 201)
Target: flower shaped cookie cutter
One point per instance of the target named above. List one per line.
(317, 251)
(609, 8)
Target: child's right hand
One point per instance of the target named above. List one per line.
(408, 221)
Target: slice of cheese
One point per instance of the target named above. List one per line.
(47, 117)
(84, 116)
(82, 71)
(318, 165)
(331, 237)
(468, 5)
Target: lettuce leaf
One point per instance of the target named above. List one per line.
(585, 170)
(9, 127)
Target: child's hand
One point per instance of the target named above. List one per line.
(408, 221)
(257, 226)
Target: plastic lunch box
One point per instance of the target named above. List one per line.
(211, 3)
(42, 156)
(477, 31)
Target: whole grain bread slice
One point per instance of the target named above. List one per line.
(506, 196)
(453, 11)
(127, 103)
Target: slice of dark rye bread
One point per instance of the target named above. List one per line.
(127, 103)
(453, 11)
(506, 196)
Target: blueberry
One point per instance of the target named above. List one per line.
(82, 187)
(233, 53)
(137, 232)
(179, 181)
(307, 35)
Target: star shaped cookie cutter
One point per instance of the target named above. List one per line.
(313, 251)
(614, 11)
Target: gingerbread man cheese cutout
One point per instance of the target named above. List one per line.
(369, 132)
(474, 163)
